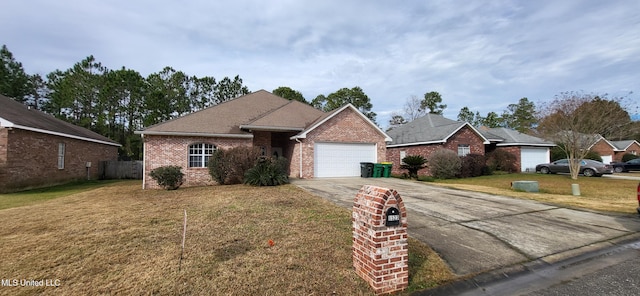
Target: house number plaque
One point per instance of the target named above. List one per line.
(393, 217)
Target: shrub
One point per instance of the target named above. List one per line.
(168, 177)
(444, 164)
(268, 172)
(229, 166)
(557, 153)
(593, 156)
(413, 163)
(628, 156)
(501, 160)
(473, 165)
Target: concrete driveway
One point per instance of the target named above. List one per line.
(476, 232)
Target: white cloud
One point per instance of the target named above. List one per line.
(480, 54)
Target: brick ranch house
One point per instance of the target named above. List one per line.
(37, 149)
(431, 132)
(612, 151)
(316, 143)
(625, 146)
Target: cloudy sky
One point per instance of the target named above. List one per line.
(483, 55)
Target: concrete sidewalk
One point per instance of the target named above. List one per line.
(476, 232)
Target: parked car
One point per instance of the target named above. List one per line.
(588, 167)
(631, 165)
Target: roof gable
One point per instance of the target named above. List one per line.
(14, 114)
(624, 144)
(327, 116)
(428, 129)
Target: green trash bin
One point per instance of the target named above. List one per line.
(386, 172)
(377, 170)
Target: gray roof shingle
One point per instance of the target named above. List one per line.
(260, 110)
(431, 128)
(17, 115)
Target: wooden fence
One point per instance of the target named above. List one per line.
(121, 169)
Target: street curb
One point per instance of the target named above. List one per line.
(511, 272)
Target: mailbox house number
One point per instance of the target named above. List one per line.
(393, 217)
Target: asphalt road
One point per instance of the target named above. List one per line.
(611, 271)
(477, 233)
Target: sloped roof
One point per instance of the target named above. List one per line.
(257, 110)
(624, 144)
(16, 115)
(510, 137)
(292, 116)
(429, 129)
(260, 110)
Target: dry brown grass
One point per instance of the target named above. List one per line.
(601, 194)
(120, 239)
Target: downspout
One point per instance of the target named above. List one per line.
(144, 154)
(298, 140)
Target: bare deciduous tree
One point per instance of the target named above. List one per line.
(575, 121)
(413, 109)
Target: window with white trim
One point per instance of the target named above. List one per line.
(403, 154)
(463, 149)
(61, 148)
(199, 154)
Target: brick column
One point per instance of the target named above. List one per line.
(380, 249)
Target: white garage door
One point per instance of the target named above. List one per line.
(341, 159)
(530, 157)
(607, 158)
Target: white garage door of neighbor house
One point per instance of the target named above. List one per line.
(530, 157)
(342, 159)
(607, 159)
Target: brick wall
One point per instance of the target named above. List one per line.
(345, 127)
(463, 136)
(30, 159)
(603, 149)
(172, 150)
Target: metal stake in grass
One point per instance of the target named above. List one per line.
(184, 234)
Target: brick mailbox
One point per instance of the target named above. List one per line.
(380, 249)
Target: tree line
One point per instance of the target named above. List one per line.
(114, 103)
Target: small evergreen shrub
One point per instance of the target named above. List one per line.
(444, 164)
(413, 163)
(268, 172)
(229, 166)
(501, 160)
(473, 165)
(168, 177)
(628, 156)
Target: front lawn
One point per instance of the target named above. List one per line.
(241, 240)
(597, 193)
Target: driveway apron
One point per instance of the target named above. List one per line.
(476, 232)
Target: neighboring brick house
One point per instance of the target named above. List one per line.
(431, 132)
(624, 147)
(38, 150)
(317, 144)
(529, 150)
